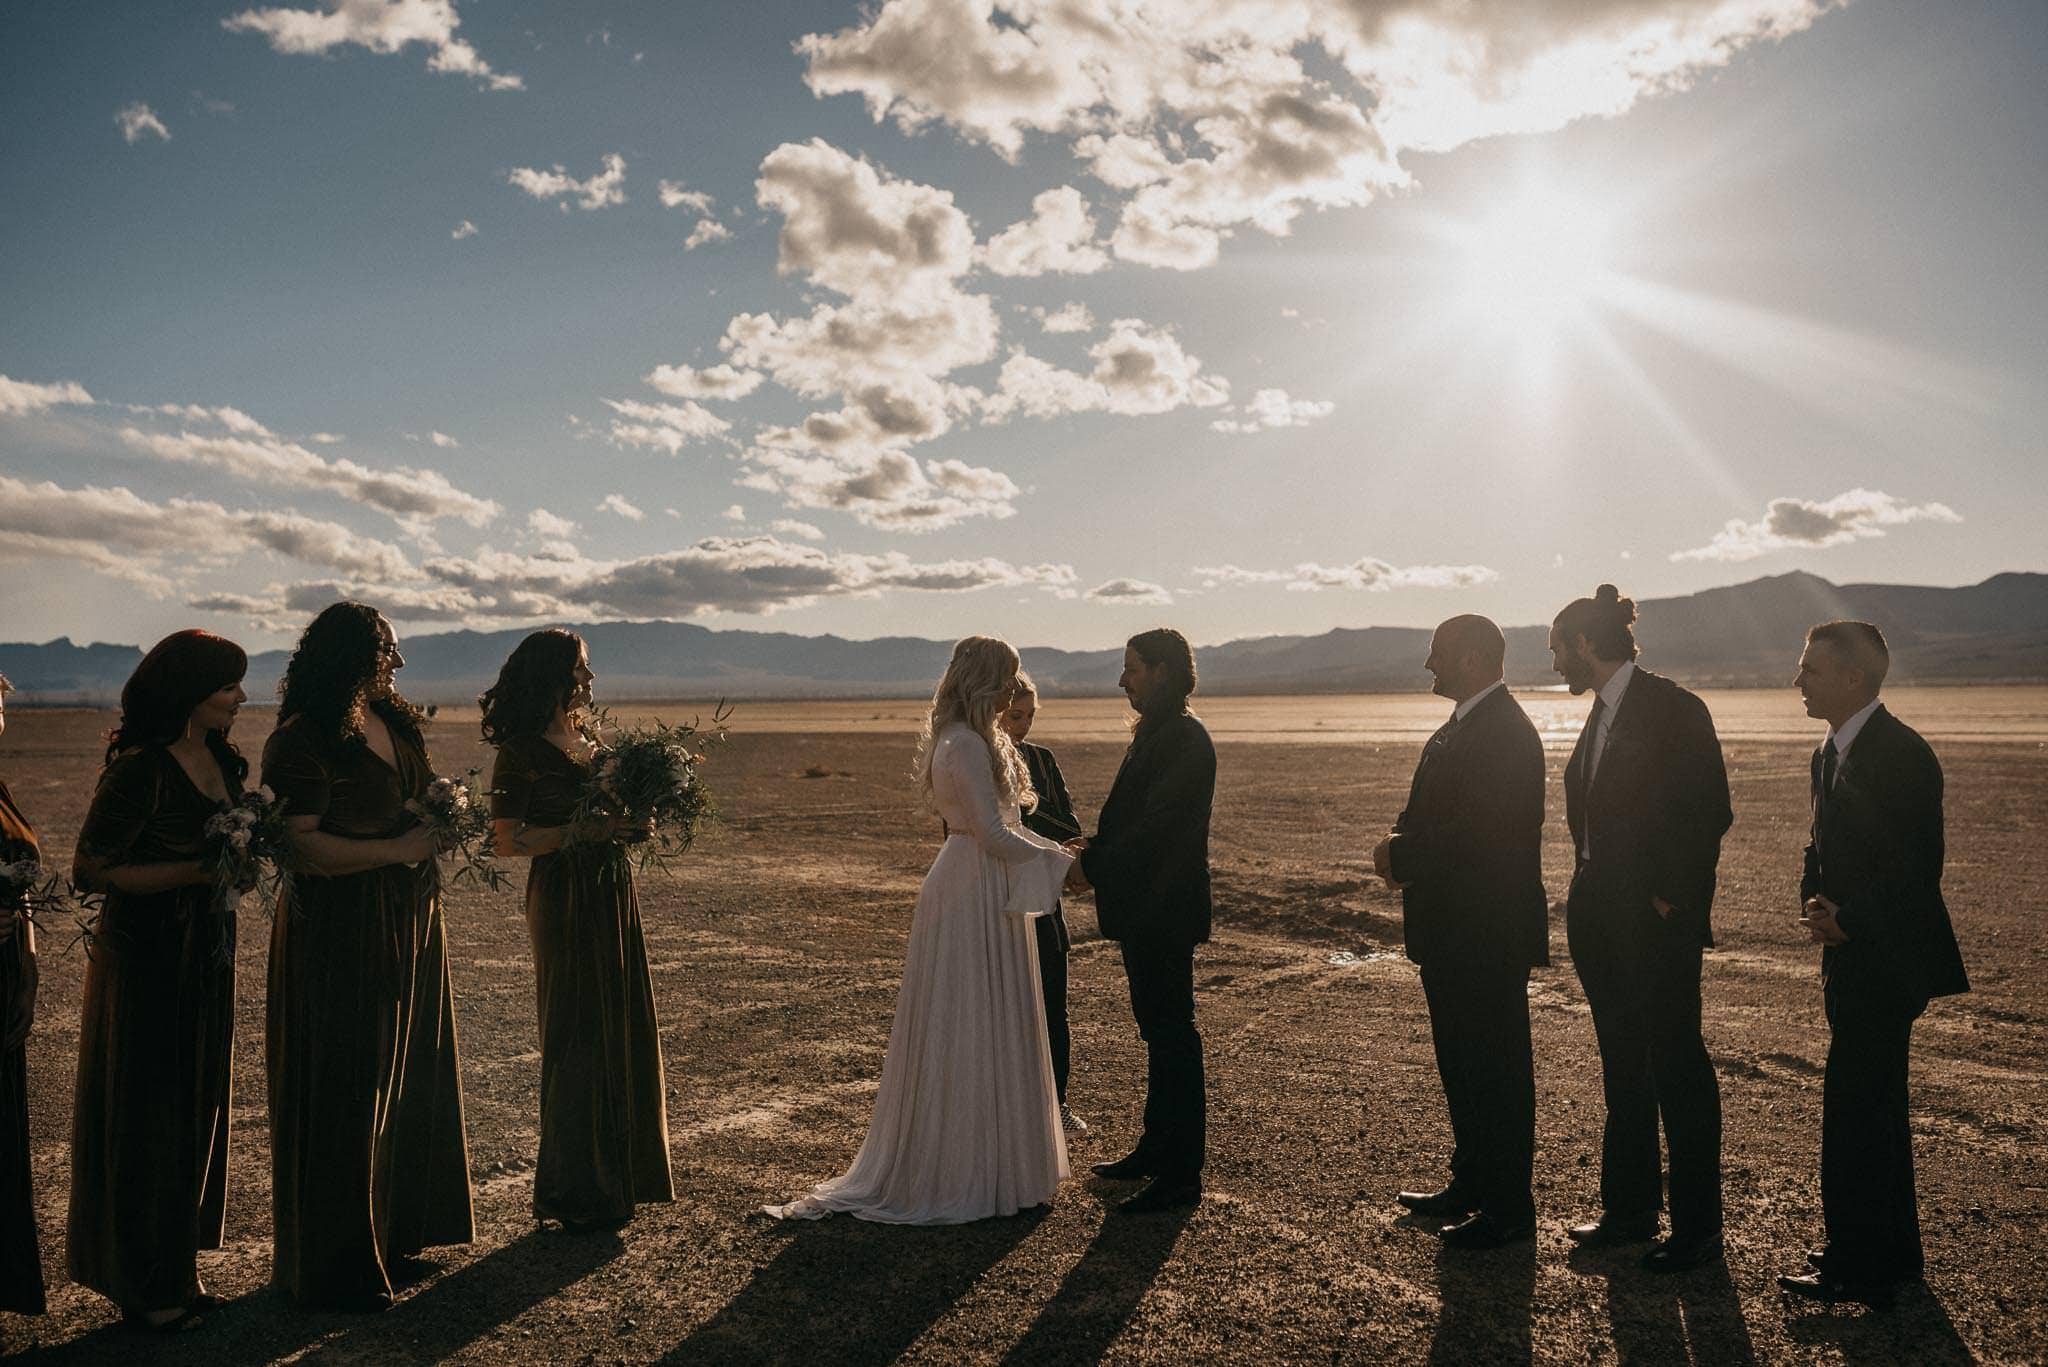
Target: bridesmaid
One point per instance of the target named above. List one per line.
(149, 1130)
(369, 1164)
(603, 1113)
(21, 1265)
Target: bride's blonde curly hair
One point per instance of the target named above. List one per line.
(977, 680)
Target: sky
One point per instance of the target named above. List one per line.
(1054, 321)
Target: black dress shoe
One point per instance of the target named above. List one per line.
(1683, 1255)
(1818, 1286)
(1483, 1231)
(1451, 1203)
(1162, 1194)
(1612, 1230)
(1816, 1258)
(1129, 1168)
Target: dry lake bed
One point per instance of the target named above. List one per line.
(776, 950)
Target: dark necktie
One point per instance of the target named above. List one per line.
(1829, 760)
(1592, 742)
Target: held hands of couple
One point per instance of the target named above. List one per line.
(1077, 877)
(1818, 920)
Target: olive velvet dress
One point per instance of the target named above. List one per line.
(149, 1126)
(603, 1111)
(369, 1162)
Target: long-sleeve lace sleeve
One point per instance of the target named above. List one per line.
(963, 757)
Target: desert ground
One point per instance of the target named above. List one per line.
(777, 948)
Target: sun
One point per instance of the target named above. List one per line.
(1535, 265)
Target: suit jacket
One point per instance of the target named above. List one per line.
(1053, 817)
(1469, 845)
(1876, 852)
(1149, 856)
(1657, 807)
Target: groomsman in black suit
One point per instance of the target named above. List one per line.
(1872, 898)
(1467, 854)
(1148, 862)
(1646, 799)
(1053, 818)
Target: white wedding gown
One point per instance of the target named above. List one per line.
(967, 1122)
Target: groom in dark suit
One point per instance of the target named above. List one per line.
(1871, 891)
(1646, 799)
(1467, 855)
(1148, 862)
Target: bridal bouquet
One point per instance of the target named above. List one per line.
(240, 839)
(451, 810)
(649, 773)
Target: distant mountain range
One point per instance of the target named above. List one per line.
(1742, 635)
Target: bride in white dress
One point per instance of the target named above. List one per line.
(967, 1122)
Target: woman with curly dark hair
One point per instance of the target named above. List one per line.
(603, 1116)
(149, 1130)
(21, 1261)
(369, 1164)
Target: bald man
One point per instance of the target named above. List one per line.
(1466, 855)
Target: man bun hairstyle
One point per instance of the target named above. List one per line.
(1606, 620)
(1860, 644)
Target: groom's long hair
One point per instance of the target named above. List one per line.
(969, 694)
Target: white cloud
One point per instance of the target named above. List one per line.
(886, 489)
(462, 230)
(443, 440)
(617, 503)
(665, 426)
(326, 438)
(789, 526)
(1217, 114)
(1139, 368)
(712, 382)
(137, 121)
(1368, 574)
(674, 196)
(1129, 591)
(548, 524)
(27, 396)
(707, 230)
(123, 534)
(858, 232)
(1069, 317)
(607, 187)
(261, 456)
(734, 513)
(1270, 408)
(1058, 237)
(751, 574)
(383, 26)
(1797, 523)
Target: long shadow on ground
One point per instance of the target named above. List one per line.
(1917, 1330)
(440, 1319)
(1659, 1318)
(846, 1290)
(1097, 1298)
(1484, 1313)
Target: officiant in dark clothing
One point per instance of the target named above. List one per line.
(1467, 855)
(1053, 818)
(1148, 862)
(1871, 895)
(1646, 800)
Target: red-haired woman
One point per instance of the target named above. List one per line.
(21, 1263)
(603, 1113)
(367, 1157)
(149, 1134)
